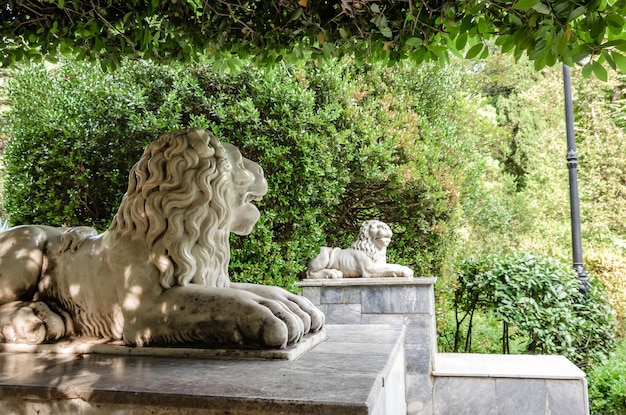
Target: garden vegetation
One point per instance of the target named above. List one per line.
(466, 163)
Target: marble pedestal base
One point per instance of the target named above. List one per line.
(357, 370)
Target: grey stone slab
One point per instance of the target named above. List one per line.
(521, 396)
(323, 381)
(420, 329)
(471, 396)
(391, 319)
(418, 359)
(340, 295)
(351, 282)
(419, 394)
(516, 366)
(375, 333)
(82, 346)
(20, 364)
(567, 397)
(342, 313)
(313, 294)
(395, 300)
(441, 396)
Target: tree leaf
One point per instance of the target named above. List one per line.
(386, 32)
(542, 8)
(587, 70)
(561, 42)
(599, 71)
(615, 23)
(414, 41)
(576, 13)
(461, 41)
(525, 4)
(620, 61)
(474, 51)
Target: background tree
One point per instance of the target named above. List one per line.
(339, 143)
(547, 30)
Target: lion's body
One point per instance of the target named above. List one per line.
(365, 258)
(159, 275)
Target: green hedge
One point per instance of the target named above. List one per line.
(607, 385)
(339, 143)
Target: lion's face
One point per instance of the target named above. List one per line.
(380, 234)
(248, 185)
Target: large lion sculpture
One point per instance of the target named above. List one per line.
(159, 274)
(367, 257)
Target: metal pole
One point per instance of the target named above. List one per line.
(572, 164)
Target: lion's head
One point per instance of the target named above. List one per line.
(374, 238)
(185, 195)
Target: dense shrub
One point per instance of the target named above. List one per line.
(75, 132)
(339, 144)
(538, 301)
(610, 268)
(607, 385)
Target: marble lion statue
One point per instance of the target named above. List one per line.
(367, 257)
(159, 274)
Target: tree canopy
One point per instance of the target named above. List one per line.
(548, 31)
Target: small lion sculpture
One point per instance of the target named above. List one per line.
(159, 274)
(367, 257)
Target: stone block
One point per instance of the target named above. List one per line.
(521, 396)
(342, 313)
(567, 397)
(418, 358)
(465, 396)
(313, 294)
(420, 329)
(391, 319)
(340, 295)
(419, 394)
(408, 299)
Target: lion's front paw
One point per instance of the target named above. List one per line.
(244, 315)
(332, 273)
(406, 272)
(311, 317)
(30, 322)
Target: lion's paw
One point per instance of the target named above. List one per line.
(406, 272)
(32, 323)
(288, 306)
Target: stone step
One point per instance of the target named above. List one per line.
(508, 384)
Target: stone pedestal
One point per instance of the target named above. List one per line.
(405, 302)
(451, 384)
(508, 385)
(356, 370)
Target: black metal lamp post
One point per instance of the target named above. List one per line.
(572, 164)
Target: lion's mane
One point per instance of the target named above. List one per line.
(177, 200)
(365, 244)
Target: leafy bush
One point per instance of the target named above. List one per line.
(610, 268)
(536, 299)
(607, 385)
(339, 144)
(75, 133)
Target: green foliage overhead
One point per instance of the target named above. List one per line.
(339, 144)
(549, 31)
